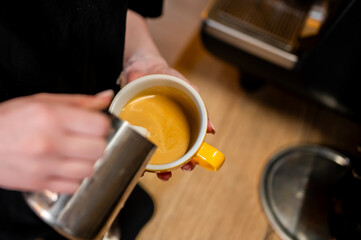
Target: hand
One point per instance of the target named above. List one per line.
(51, 141)
(140, 65)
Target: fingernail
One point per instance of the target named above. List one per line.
(164, 179)
(105, 94)
(187, 168)
(213, 128)
(164, 176)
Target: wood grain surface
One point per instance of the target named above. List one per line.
(250, 128)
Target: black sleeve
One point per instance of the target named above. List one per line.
(147, 8)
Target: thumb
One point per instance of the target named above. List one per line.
(99, 101)
(133, 76)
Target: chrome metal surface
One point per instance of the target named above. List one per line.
(278, 22)
(268, 29)
(295, 190)
(90, 212)
(113, 233)
(250, 44)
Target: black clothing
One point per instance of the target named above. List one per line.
(73, 46)
(63, 46)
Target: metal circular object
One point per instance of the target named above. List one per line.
(295, 190)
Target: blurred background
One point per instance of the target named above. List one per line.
(258, 75)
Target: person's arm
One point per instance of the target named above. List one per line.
(138, 41)
(142, 57)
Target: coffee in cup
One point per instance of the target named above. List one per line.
(175, 117)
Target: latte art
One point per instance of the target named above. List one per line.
(166, 123)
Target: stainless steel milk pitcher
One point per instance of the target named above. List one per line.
(91, 210)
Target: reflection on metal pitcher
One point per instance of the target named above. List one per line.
(89, 213)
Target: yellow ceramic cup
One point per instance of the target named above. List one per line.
(200, 152)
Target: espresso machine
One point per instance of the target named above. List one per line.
(307, 47)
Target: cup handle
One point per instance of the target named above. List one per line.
(209, 157)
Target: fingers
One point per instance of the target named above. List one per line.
(61, 175)
(210, 128)
(62, 112)
(164, 176)
(131, 76)
(67, 128)
(31, 183)
(60, 185)
(97, 102)
(72, 169)
(75, 112)
(64, 130)
(100, 101)
(189, 166)
(65, 174)
(84, 122)
(81, 147)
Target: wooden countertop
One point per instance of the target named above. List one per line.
(251, 127)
